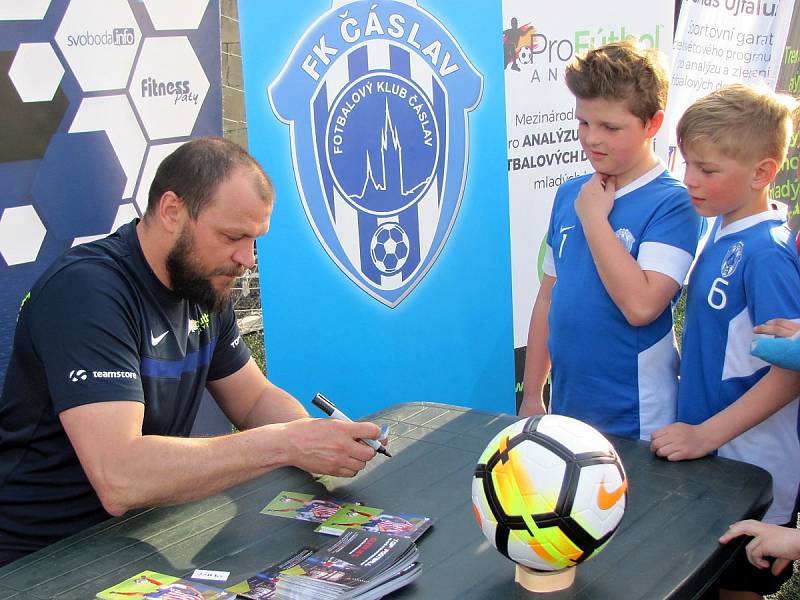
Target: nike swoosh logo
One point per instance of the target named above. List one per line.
(563, 229)
(155, 340)
(606, 499)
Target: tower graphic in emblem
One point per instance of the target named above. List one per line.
(377, 96)
(382, 165)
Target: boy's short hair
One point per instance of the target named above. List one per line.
(621, 71)
(743, 122)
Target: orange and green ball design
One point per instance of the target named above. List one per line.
(549, 492)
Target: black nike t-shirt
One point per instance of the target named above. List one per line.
(97, 326)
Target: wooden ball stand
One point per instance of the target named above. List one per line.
(544, 581)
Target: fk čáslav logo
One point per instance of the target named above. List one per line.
(377, 96)
(732, 258)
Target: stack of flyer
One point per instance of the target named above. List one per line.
(149, 584)
(360, 565)
(261, 586)
(336, 516)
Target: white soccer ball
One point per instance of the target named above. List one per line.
(549, 492)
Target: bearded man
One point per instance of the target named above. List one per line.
(114, 347)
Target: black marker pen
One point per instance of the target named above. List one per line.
(329, 409)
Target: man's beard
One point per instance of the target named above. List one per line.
(188, 280)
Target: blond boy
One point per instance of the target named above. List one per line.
(734, 141)
(620, 243)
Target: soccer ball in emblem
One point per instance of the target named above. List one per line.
(389, 248)
(549, 492)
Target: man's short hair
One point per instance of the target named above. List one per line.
(621, 71)
(194, 171)
(743, 122)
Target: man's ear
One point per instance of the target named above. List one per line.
(172, 212)
(654, 124)
(764, 172)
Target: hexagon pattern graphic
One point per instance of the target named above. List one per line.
(155, 155)
(26, 128)
(99, 39)
(125, 213)
(23, 10)
(77, 187)
(76, 179)
(165, 17)
(114, 115)
(168, 95)
(36, 72)
(21, 234)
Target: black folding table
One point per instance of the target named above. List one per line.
(666, 547)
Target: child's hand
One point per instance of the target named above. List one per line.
(596, 198)
(782, 543)
(680, 441)
(778, 327)
(778, 342)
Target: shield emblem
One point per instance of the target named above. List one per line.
(377, 96)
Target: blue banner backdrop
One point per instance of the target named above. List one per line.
(386, 272)
(93, 96)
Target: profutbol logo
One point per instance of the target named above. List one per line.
(378, 96)
(519, 42)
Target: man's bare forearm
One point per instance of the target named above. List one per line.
(169, 470)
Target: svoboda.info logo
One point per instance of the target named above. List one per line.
(120, 36)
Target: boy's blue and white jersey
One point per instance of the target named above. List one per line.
(619, 378)
(747, 274)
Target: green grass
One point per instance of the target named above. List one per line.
(255, 341)
(790, 590)
(677, 315)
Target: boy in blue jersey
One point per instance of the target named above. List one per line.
(620, 243)
(734, 141)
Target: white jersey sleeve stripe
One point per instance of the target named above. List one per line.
(739, 362)
(663, 258)
(773, 445)
(548, 264)
(658, 385)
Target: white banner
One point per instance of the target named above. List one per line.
(719, 42)
(543, 147)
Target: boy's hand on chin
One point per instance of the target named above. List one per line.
(596, 198)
